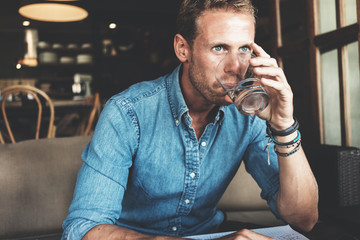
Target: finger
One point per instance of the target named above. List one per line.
(277, 91)
(278, 86)
(248, 234)
(258, 50)
(263, 61)
(272, 72)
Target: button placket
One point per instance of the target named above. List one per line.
(192, 168)
(175, 226)
(205, 141)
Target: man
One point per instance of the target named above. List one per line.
(164, 151)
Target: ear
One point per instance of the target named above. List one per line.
(182, 48)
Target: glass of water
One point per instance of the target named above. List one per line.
(236, 76)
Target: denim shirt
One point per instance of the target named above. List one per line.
(144, 168)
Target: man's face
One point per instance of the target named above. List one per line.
(220, 32)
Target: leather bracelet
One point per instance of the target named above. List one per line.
(288, 144)
(271, 132)
(289, 153)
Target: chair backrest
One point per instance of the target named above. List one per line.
(37, 180)
(35, 92)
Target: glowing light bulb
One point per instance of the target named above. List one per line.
(112, 25)
(26, 23)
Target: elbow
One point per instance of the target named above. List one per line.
(303, 219)
(305, 223)
(308, 225)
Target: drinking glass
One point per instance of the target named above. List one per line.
(236, 76)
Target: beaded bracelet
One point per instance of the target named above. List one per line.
(289, 153)
(287, 144)
(296, 141)
(271, 132)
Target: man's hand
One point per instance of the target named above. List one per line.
(246, 234)
(279, 112)
(297, 197)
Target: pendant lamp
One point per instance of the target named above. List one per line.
(53, 11)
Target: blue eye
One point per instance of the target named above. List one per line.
(245, 49)
(218, 48)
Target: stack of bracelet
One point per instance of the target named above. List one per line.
(294, 144)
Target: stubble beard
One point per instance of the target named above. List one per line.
(200, 82)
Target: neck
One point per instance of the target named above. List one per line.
(198, 105)
(201, 110)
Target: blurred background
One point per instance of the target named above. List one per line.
(118, 43)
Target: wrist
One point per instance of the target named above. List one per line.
(280, 127)
(283, 131)
(287, 138)
(286, 141)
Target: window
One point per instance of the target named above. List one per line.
(335, 47)
(317, 44)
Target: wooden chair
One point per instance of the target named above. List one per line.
(86, 126)
(80, 123)
(95, 110)
(35, 92)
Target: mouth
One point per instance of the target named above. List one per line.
(223, 93)
(228, 86)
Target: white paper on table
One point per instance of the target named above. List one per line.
(279, 233)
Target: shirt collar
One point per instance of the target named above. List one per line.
(175, 96)
(177, 101)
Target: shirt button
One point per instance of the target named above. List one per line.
(174, 229)
(203, 144)
(187, 201)
(177, 122)
(192, 175)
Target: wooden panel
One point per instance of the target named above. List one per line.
(314, 73)
(276, 26)
(294, 48)
(337, 38)
(358, 20)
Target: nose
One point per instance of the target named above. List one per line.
(236, 63)
(231, 63)
(231, 69)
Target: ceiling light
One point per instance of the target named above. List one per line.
(52, 11)
(26, 23)
(112, 25)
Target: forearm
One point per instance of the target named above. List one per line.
(298, 194)
(113, 232)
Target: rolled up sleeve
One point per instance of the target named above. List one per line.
(263, 165)
(77, 229)
(103, 176)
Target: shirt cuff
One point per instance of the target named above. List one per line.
(78, 229)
